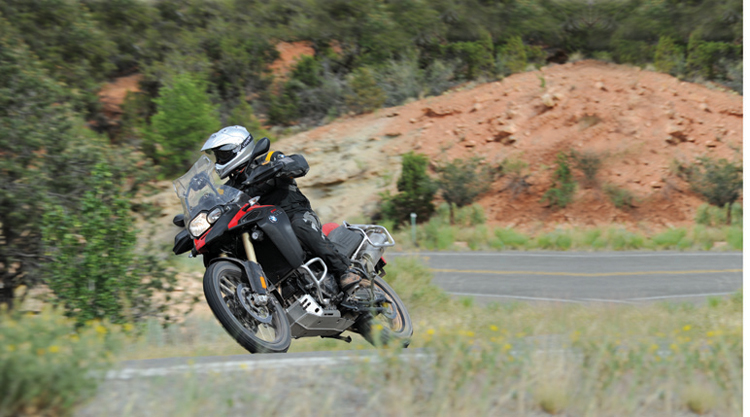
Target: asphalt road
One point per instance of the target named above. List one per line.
(614, 277)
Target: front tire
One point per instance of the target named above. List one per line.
(226, 287)
(383, 329)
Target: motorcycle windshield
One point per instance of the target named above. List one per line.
(200, 189)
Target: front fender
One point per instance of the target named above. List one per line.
(182, 242)
(254, 273)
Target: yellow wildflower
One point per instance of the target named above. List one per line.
(686, 328)
(494, 328)
(430, 331)
(673, 346)
(710, 334)
(653, 347)
(470, 333)
(54, 349)
(507, 346)
(127, 327)
(40, 352)
(101, 329)
(10, 348)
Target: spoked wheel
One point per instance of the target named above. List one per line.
(389, 326)
(259, 325)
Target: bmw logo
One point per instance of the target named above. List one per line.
(272, 219)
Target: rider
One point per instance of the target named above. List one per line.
(227, 146)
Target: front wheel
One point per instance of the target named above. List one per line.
(390, 326)
(258, 327)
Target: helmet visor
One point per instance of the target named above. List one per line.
(224, 153)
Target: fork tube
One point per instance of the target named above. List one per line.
(249, 250)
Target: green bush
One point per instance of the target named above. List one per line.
(622, 198)
(90, 249)
(588, 163)
(477, 56)
(512, 57)
(462, 181)
(673, 238)
(366, 95)
(668, 57)
(184, 119)
(416, 191)
(621, 239)
(563, 186)
(632, 52)
(555, 240)
(243, 115)
(47, 366)
(734, 237)
(718, 181)
(508, 238)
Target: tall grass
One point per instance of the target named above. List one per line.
(515, 359)
(47, 364)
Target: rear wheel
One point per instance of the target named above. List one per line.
(258, 327)
(393, 325)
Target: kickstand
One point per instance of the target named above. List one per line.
(347, 339)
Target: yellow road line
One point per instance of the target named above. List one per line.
(583, 274)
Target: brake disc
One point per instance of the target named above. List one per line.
(259, 314)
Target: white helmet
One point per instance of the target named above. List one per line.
(232, 146)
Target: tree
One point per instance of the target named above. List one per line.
(668, 55)
(461, 182)
(366, 95)
(416, 191)
(184, 119)
(46, 158)
(719, 182)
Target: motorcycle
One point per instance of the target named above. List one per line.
(264, 289)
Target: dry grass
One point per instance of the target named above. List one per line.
(523, 359)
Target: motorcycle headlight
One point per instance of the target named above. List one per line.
(214, 215)
(199, 225)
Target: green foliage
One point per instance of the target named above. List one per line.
(622, 198)
(673, 238)
(476, 55)
(555, 240)
(508, 238)
(366, 95)
(49, 366)
(632, 52)
(511, 57)
(563, 186)
(243, 115)
(703, 58)
(714, 216)
(184, 119)
(462, 181)
(416, 191)
(718, 181)
(66, 38)
(588, 163)
(668, 56)
(91, 252)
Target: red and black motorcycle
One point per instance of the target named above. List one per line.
(260, 283)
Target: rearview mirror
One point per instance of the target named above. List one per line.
(261, 147)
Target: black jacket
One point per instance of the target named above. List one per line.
(281, 190)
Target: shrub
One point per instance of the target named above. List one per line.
(477, 56)
(243, 115)
(718, 182)
(366, 95)
(556, 240)
(512, 57)
(416, 191)
(622, 198)
(90, 249)
(563, 187)
(674, 238)
(516, 171)
(508, 238)
(47, 366)
(668, 56)
(461, 181)
(588, 163)
(631, 52)
(184, 119)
